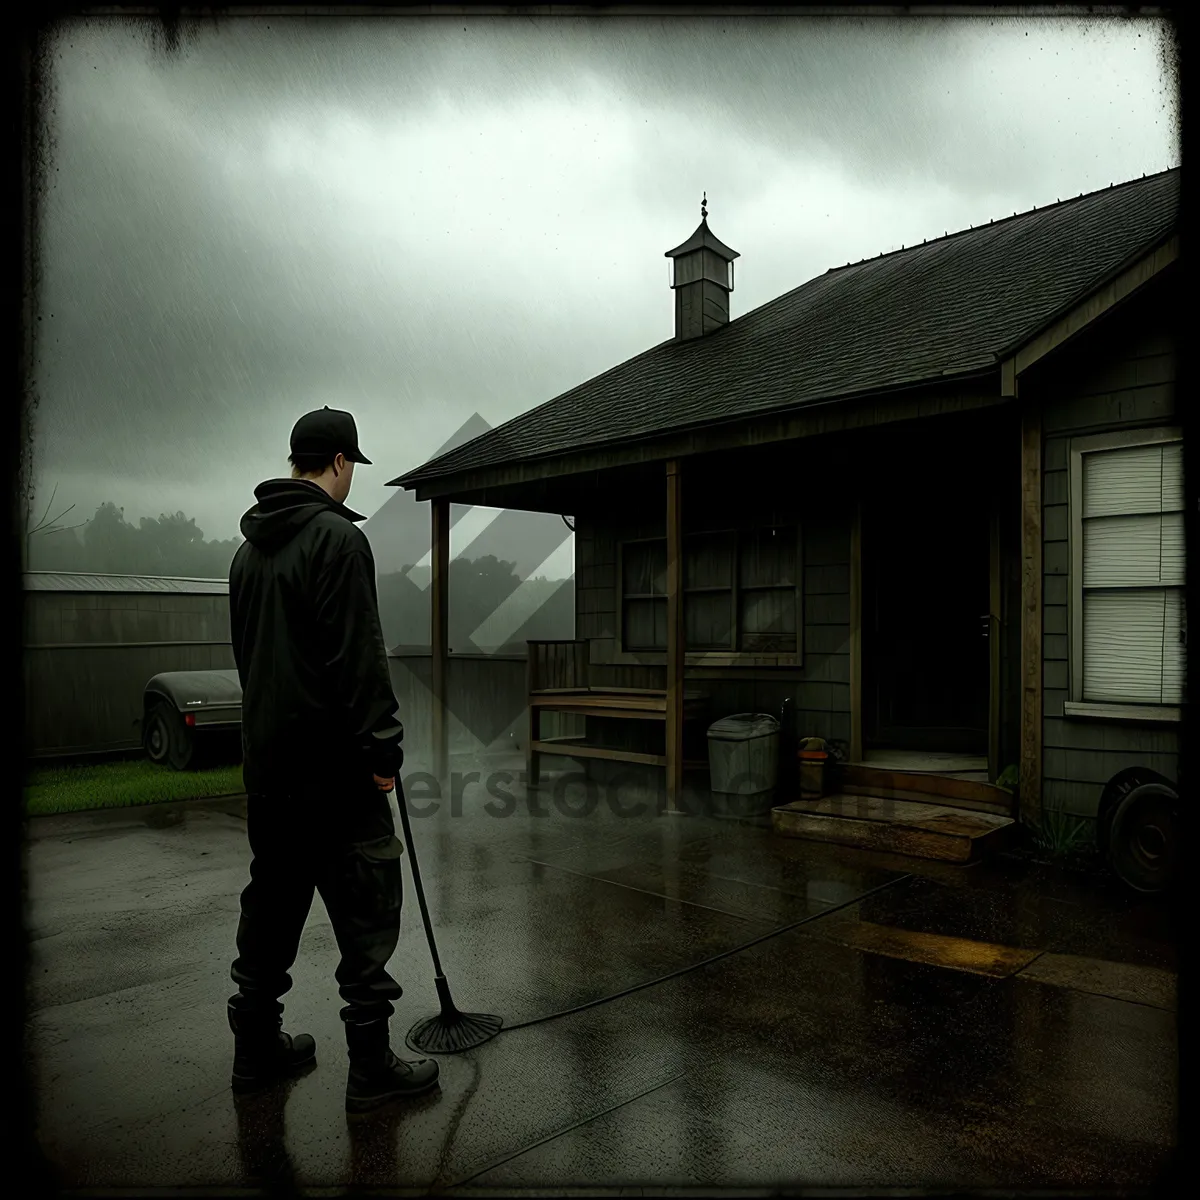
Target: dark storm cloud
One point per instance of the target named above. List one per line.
(418, 220)
(916, 95)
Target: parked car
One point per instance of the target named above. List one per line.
(1137, 828)
(183, 711)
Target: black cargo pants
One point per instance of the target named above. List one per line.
(341, 843)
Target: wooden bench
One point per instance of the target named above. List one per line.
(557, 683)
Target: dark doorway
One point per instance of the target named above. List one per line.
(926, 564)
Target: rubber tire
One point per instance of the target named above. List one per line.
(1115, 790)
(156, 735)
(1144, 838)
(167, 739)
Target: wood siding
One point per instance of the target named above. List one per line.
(1119, 375)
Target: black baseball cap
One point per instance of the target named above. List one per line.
(328, 431)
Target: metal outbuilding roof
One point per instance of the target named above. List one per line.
(70, 581)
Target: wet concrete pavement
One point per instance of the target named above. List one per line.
(994, 1026)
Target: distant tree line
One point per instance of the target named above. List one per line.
(173, 545)
(170, 544)
(541, 608)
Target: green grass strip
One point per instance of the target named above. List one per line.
(122, 784)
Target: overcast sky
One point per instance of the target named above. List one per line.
(421, 219)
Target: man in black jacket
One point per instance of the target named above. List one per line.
(321, 746)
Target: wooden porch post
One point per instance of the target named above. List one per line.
(439, 634)
(994, 635)
(1031, 615)
(675, 639)
(856, 714)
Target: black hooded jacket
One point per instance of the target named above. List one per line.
(317, 699)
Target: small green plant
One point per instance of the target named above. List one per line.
(1009, 778)
(1059, 833)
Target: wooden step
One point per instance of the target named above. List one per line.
(863, 779)
(916, 828)
(938, 762)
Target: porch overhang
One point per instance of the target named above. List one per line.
(547, 484)
(1086, 313)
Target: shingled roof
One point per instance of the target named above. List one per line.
(952, 306)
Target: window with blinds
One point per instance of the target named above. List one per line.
(1133, 575)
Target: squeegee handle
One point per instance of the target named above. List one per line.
(416, 870)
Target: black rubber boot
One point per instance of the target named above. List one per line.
(263, 1053)
(377, 1076)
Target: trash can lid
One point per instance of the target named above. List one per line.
(742, 727)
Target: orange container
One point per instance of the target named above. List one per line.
(812, 773)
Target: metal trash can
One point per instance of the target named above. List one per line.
(743, 754)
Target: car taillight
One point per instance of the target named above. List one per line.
(190, 719)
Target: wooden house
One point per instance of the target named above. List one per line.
(928, 505)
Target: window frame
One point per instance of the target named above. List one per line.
(703, 658)
(1076, 705)
(624, 597)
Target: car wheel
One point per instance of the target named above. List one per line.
(1115, 790)
(1144, 837)
(167, 739)
(156, 737)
